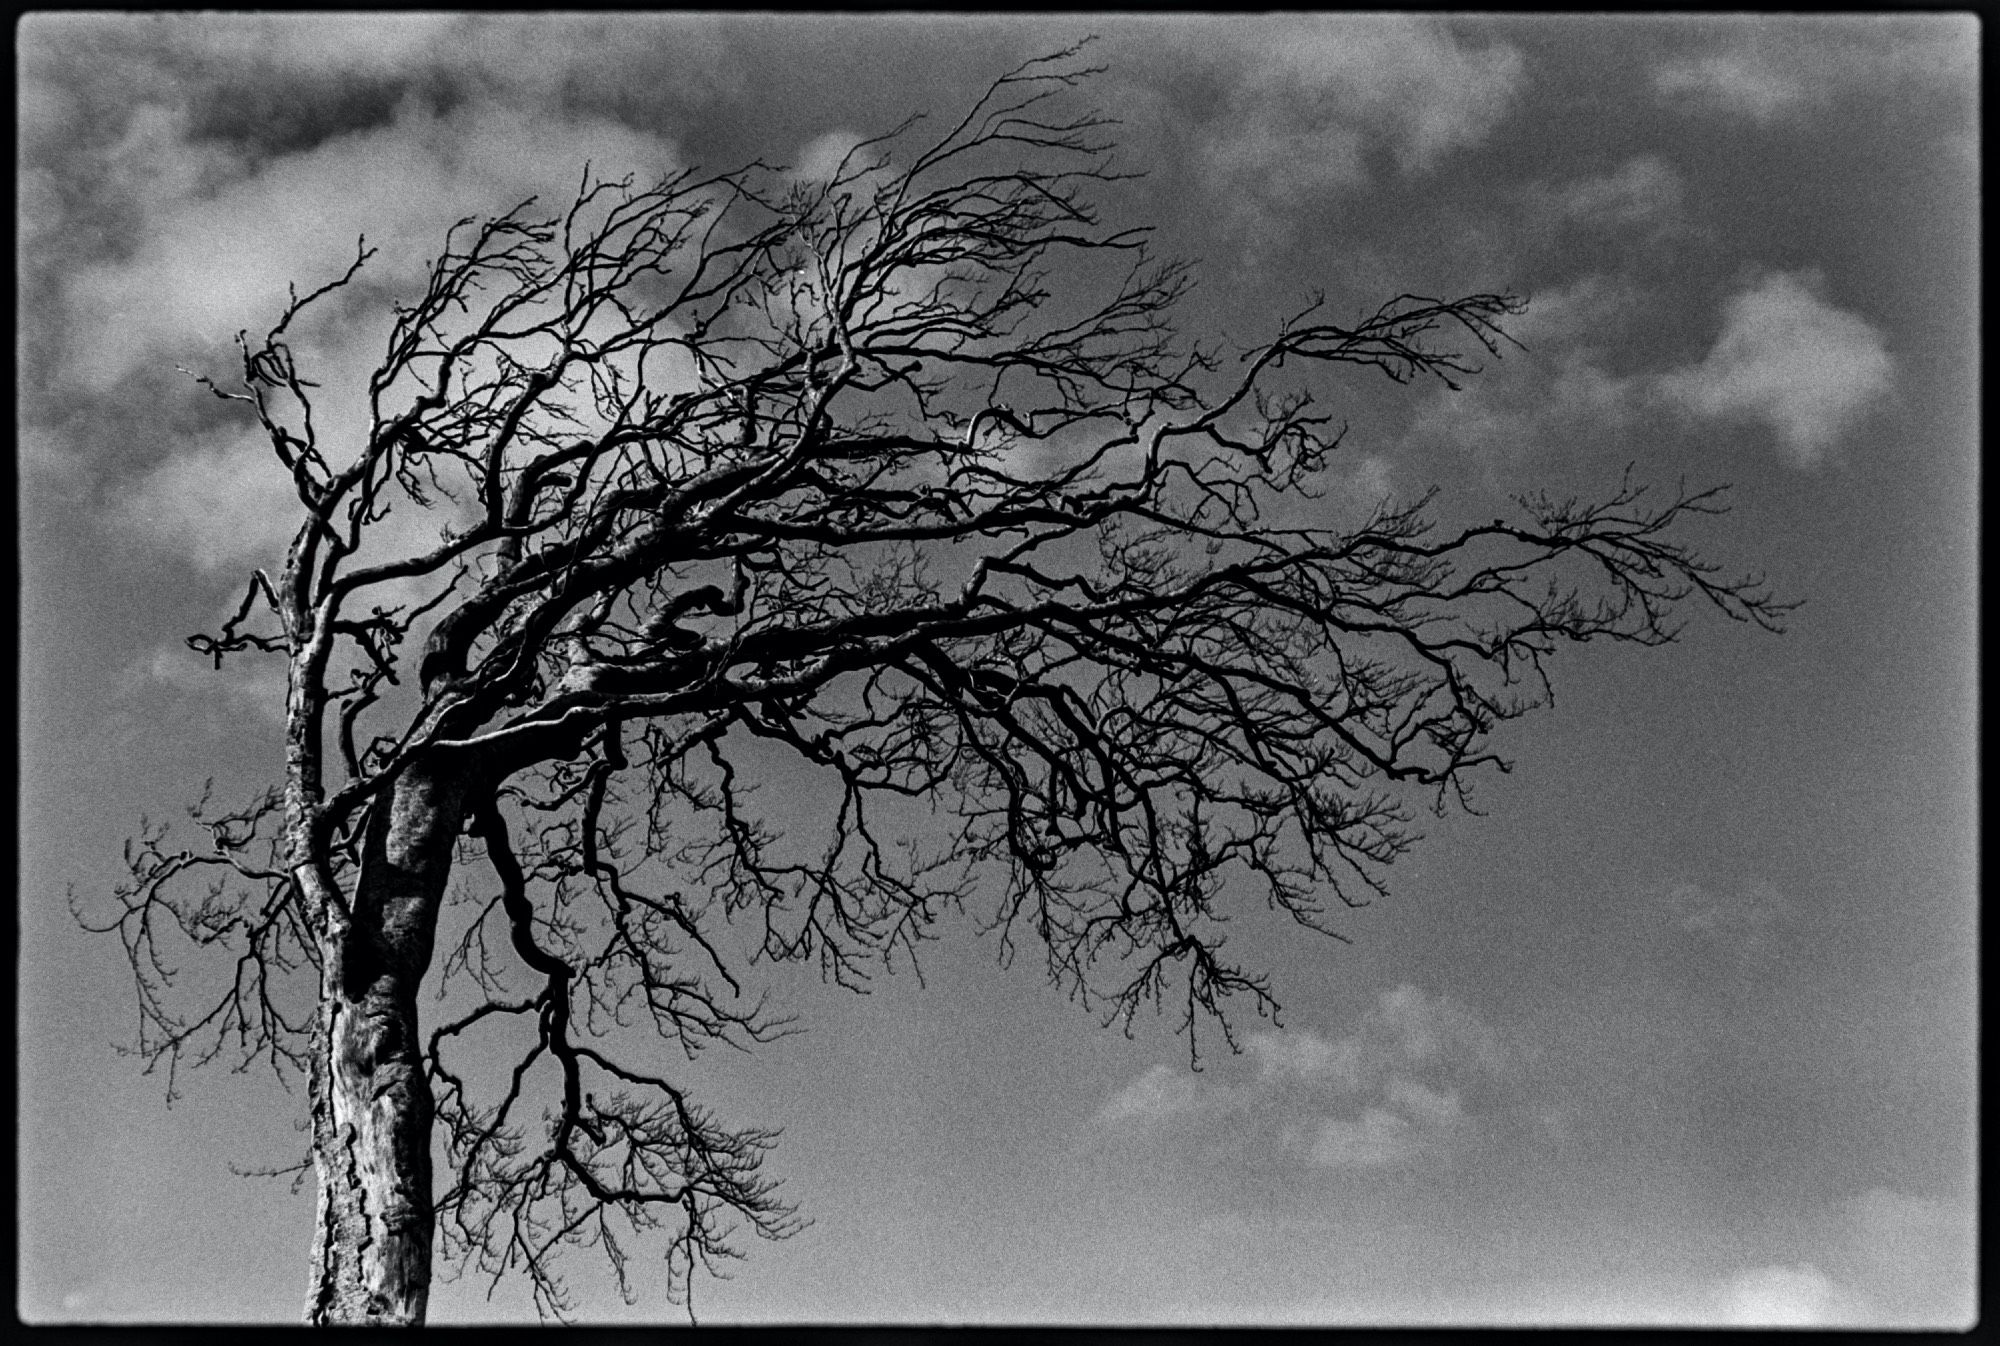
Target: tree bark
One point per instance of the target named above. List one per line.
(371, 1104)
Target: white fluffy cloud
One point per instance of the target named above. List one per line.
(1915, 1259)
(1161, 1092)
(1307, 1056)
(1409, 1063)
(1788, 358)
(1309, 97)
(1435, 1031)
(1885, 1260)
(316, 42)
(1644, 192)
(246, 683)
(1404, 1030)
(220, 503)
(220, 240)
(1764, 72)
(1558, 388)
(1378, 1138)
(819, 159)
(1780, 1296)
(1733, 82)
(1390, 1092)
(1742, 919)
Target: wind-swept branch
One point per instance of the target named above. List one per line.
(901, 496)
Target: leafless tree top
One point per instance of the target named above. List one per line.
(905, 477)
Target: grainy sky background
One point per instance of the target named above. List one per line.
(1681, 1031)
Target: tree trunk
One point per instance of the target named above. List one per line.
(371, 1104)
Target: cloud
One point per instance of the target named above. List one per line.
(596, 60)
(250, 682)
(1161, 1092)
(1906, 1229)
(1780, 1296)
(1586, 314)
(1743, 920)
(1308, 98)
(1405, 1039)
(1914, 1258)
(294, 64)
(1353, 488)
(1392, 1091)
(1785, 359)
(219, 241)
(1558, 388)
(1427, 1106)
(1406, 81)
(820, 158)
(362, 43)
(1435, 1031)
(1412, 1119)
(1378, 1138)
(180, 171)
(1645, 192)
(1738, 83)
(1371, 482)
(1809, 1281)
(222, 503)
(1404, 1030)
(1766, 71)
(1307, 1056)
(210, 235)
(1789, 359)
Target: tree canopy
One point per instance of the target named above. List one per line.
(905, 485)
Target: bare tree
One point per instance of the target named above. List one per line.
(904, 478)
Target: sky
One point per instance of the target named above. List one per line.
(1681, 1029)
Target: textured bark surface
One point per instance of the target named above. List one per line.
(372, 1106)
